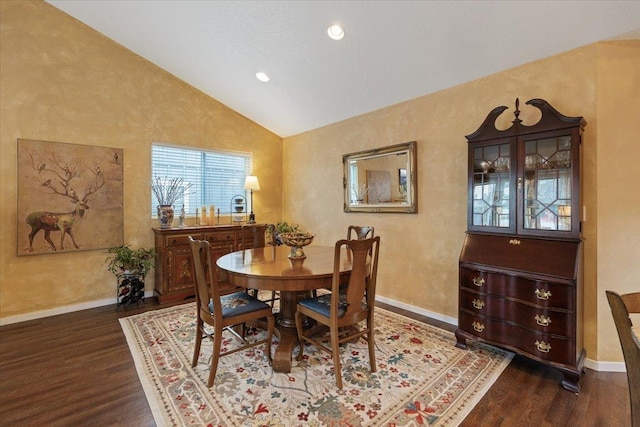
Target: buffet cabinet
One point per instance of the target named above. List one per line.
(175, 280)
(520, 268)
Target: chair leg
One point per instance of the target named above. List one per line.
(215, 356)
(196, 350)
(271, 323)
(300, 337)
(335, 350)
(371, 343)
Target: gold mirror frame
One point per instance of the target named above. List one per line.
(381, 180)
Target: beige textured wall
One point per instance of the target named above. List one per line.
(618, 178)
(419, 253)
(61, 81)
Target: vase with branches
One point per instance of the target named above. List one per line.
(167, 191)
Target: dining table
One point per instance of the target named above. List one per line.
(271, 269)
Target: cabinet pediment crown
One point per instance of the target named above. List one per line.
(551, 119)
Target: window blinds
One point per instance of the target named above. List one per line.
(216, 176)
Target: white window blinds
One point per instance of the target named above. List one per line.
(216, 176)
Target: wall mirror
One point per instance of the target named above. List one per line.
(381, 180)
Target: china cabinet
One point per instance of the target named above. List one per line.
(174, 278)
(520, 269)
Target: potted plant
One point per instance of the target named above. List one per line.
(130, 267)
(167, 191)
(124, 260)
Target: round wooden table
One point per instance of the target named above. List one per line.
(269, 268)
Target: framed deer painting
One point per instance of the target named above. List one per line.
(70, 197)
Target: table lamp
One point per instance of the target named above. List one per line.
(251, 183)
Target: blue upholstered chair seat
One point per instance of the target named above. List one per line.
(322, 304)
(239, 303)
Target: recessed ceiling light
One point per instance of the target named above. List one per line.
(262, 77)
(335, 32)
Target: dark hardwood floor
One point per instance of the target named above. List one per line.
(76, 370)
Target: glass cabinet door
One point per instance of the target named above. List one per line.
(491, 187)
(525, 179)
(547, 184)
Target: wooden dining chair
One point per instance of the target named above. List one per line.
(342, 312)
(259, 236)
(621, 306)
(222, 312)
(361, 233)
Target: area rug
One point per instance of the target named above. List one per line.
(422, 378)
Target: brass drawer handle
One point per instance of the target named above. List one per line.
(478, 281)
(542, 294)
(542, 320)
(479, 304)
(479, 327)
(514, 242)
(542, 346)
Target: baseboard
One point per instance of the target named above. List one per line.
(62, 310)
(417, 310)
(605, 366)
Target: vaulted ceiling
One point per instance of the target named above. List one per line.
(392, 50)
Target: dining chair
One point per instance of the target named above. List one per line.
(361, 233)
(343, 312)
(621, 306)
(259, 236)
(222, 312)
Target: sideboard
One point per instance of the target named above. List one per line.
(174, 280)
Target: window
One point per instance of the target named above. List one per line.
(216, 176)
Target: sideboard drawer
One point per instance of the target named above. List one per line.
(225, 238)
(179, 239)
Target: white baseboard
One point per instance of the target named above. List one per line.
(605, 366)
(62, 310)
(417, 310)
(588, 363)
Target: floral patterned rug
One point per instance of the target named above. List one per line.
(422, 378)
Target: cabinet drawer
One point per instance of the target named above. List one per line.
(179, 239)
(224, 238)
(542, 293)
(536, 344)
(530, 317)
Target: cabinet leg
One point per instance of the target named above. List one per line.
(460, 340)
(571, 381)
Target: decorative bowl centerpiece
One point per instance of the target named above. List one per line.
(296, 241)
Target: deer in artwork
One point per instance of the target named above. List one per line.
(57, 180)
(56, 221)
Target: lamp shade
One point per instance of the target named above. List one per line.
(251, 183)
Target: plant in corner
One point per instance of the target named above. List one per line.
(124, 260)
(130, 267)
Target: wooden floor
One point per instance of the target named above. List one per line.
(76, 370)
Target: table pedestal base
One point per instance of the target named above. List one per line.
(288, 341)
